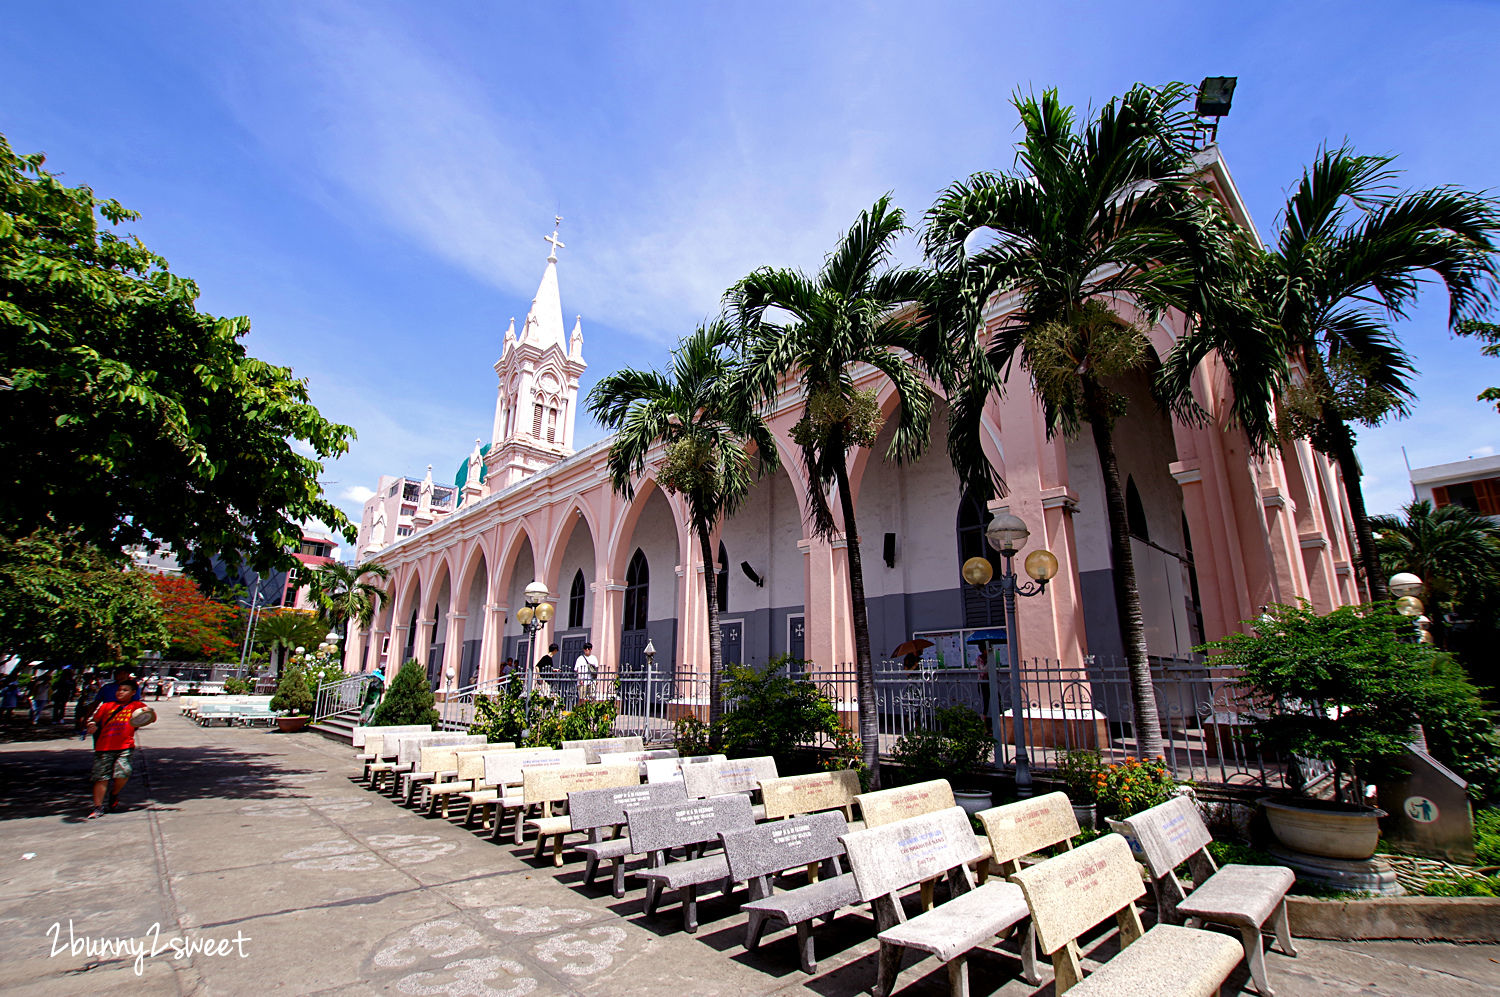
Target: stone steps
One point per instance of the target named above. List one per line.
(338, 726)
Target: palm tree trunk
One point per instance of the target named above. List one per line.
(864, 668)
(1127, 595)
(715, 636)
(1342, 436)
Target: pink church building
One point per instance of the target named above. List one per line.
(1218, 533)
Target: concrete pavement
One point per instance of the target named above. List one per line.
(263, 848)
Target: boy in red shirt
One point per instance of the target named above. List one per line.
(114, 744)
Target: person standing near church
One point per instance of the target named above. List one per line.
(586, 668)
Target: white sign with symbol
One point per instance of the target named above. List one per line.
(1420, 809)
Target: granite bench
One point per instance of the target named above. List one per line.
(1244, 897)
(436, 761)
(670, 769)
(815, 792)
(890, 858)
(409, 753)
(733, 775)
(1071, 893)
(483, 793)
(505, 771)
(362, 739)
(387, 750)
(547, 786)
(757, 855)
(887, 805)
(593, 747)
(693, 824)
(639, 758)
(455, 769)
(601, 813)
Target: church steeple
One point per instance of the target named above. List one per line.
(538, 393)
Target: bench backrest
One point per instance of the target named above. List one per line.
(594, 745)
(592, 808)
(733, 775)
(885, 806)
(412, 745)
(778, 845)
(470, 764)
(809, 794)
(891, 857)
(622, 757)
(670, 769)
(504, 768)
(545, 784)
(1169, 834)
(446, 757)
(1074, 891)
(1028, 826)
(692, 822)
(362, 734)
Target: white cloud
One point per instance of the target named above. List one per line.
(357, 493)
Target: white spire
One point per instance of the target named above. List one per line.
(575, 341)
(510, 336)
(544, 323)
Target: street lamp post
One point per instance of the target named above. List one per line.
(1007, 534)
(247, 643)
(533, 617)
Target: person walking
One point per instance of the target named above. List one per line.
(64, 688)
(86, 702)
(106, 693)
(10, 695)
(585, 669)
(114, 744)
(40, 689)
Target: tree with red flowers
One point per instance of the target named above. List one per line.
(196, 625)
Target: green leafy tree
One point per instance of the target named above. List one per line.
(408, 700)
(64, 600)
(342, 593)
(953, 748)
(284, 630)
(1489, 334)
(714, 445)
(293, 697)
(774, 713)
(1093, 219)
(1456, 553)
(1351, 257)
(131, 416)
(821, 331)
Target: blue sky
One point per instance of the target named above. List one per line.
(371, 183)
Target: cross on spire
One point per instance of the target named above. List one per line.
(556, 243)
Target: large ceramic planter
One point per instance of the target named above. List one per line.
(972, 802)
(1325, 827)
(1087, 815)
(290, 725)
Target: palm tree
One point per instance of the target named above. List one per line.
(342, 593)
(1091, 218)
(287, 629)
(1349, 261)
(1454, 550)
(855, 312)
(714, 446)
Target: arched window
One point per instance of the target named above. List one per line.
(575, 601)
(1135, 513)
(536, 420)
(972, 518)
(637, 591)
(721, 580)
(552, 424)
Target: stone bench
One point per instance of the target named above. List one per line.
(1024, 828)
(639, 758)
(1244, 897)
(369, 738)
(455, 769)
(670, 769)
(505, 771)
(885, 806)
(483, 793)
(757, 855)
(409, 753)
(387, 760)
(593, 747)
(602, 813)
(546, 786)
(890, 858)
(435, 762)
(1071, 893)
(732, 775)
(788, 796)
(656, 831)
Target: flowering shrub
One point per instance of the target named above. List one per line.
(1081, 769)
(847, 752)
(503, 717)
(1132, 786)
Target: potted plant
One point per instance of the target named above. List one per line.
(293, 700)
(1080, 771)
(954, 748)
(1344, 688)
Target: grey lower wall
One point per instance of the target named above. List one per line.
(1101, 622)
(894, 618)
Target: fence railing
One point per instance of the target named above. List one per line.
(341, 696)
(1206, 712)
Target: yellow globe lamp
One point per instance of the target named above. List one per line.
(1041, 565)
(544, 612)
(1409, 605)
(524, 614)
(978, 571)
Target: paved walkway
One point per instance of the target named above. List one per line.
(304, 882)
